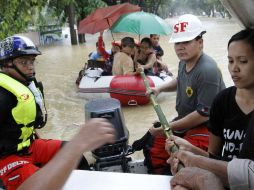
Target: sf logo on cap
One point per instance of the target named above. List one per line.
(180, 27)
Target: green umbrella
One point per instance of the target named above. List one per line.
(141, 23)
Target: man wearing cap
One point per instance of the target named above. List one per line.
(197, 83)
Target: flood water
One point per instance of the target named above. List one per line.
(60, 63)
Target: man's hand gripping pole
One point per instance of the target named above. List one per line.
(162, 118)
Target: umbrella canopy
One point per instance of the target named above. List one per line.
(103, 18)
(141, 23)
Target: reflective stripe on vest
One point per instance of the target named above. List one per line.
(24, 113)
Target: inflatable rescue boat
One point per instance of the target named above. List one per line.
(129, 90)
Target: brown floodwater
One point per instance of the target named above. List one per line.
(60, 63)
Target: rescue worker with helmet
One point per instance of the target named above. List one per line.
(22, 111)
(197, 83)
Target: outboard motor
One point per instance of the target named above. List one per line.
(110, 154)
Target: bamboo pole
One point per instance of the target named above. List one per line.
(162, 118)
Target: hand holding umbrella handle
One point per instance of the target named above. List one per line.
(162, 118)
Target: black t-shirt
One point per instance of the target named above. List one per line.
(228, 122)
(248, 143)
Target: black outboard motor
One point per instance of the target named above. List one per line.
(110, 154)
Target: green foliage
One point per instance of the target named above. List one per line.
(82, 8)
(166, 8)
(198, 7)
(16, 15)
(85, 7)
(58, 8)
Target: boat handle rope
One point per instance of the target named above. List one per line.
(132, 102)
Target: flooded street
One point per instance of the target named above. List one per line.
(59, 65)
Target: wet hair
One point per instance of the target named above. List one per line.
(246, 35)
(128, 41)
(148, 41)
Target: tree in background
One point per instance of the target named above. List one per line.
(16, 15)
(151, 6)
(74, 11)
(198, 7)
(84, 8)
(166, 8)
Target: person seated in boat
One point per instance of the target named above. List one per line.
(116, 47)
(145, 56)
(105, 57)
(123, 63)
(100, 54)
(54, 174)
(159, 65)
(155, 38)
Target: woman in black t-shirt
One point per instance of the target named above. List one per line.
(232, 108)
